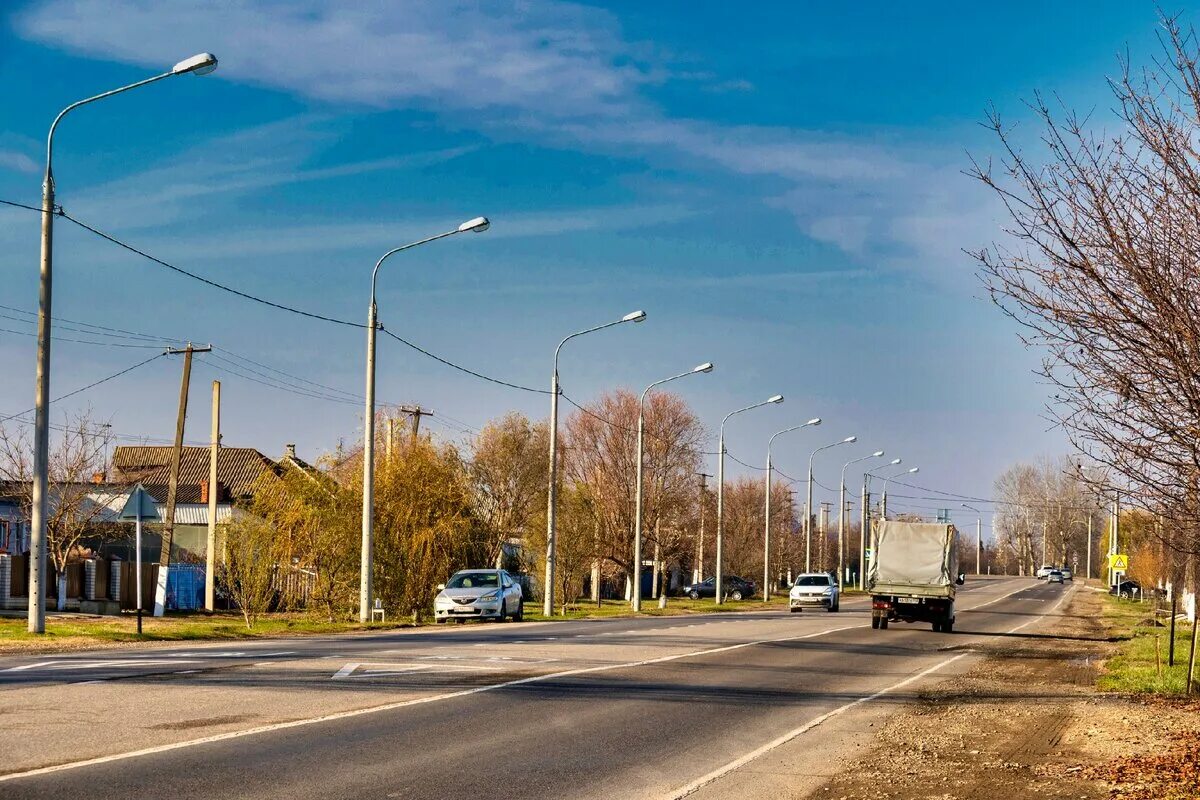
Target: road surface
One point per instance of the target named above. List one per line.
(747, 705)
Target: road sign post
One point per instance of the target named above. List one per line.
(140, 504)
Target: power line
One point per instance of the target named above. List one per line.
(459, 367)
(92, 328)
(89, 386)
(84, 341)
(350, 395)
(207, 281)
(20, 205)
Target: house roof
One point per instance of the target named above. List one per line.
(237, 469)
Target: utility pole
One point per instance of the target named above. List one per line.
(210, 557)
(1089, 550)
(391, 436)
(842, 506)
(979, 545)
(698, 571)
(168, 531)
(415, 413)
(864, 534)
(822, 530)
(1043, 543)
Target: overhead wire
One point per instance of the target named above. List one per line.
(82, 389)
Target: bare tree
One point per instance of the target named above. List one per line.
(1101, 271)
(249, 565)
(508, 478)
(74, 504)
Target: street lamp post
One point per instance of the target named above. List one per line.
(865, 516)
(842, 516)
(552, 491)
(200, 64)
(808, 505)
(366, 558)
(778, 398)
(883, 500)
(978, 537)
(637, 525)
(767, 509)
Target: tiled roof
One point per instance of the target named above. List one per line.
(237, 470)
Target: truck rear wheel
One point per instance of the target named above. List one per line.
(875, 621)
(937, 626)
(948, 626)
(883, 622)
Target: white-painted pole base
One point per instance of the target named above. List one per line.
(160, 592)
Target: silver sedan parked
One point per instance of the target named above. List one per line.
(479, 594)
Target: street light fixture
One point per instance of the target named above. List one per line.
(366, 558)
(842, 517)
(978, 537)
(200, 64)
(552, 492)
(808, 505)
(767, 508)
(778, 398)
(637, 525)
(883, 500)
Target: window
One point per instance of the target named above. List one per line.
(812, 580)
(474, 580)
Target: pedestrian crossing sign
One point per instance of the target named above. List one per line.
(1118, 561)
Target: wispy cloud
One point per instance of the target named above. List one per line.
(558, 73)
(17, 162)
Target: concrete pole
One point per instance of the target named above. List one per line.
(864, 535)
(979, 546)
(841, 567)
(390, 438)
(1089, 547)
(200, 64)
(698, 572)
(808, 520)
(637, 525)
(551, 495)
(719, 597)
(38, 545)
(367, 546)
(210, 555)
(767, 532)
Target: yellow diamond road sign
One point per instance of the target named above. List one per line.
(1118, 561)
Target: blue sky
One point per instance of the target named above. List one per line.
(779, 185)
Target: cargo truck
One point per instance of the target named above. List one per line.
(913, 574)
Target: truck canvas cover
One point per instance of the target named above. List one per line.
(913, 558)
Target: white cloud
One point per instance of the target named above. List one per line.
(533, 55)
(558, 73)
(17, 162)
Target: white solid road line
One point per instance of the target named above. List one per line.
(340, 715)
(720, 772)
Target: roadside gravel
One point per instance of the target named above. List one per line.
(1027, 721)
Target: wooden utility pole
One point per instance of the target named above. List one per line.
(698, 572)
(168, 531)
(415, 413)
(210, 556)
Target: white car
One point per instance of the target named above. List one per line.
(1045, 571)
(818, 589)
(479, 594)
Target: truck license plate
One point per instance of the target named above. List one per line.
(908, 599)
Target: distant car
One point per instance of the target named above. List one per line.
(1126, 589)
(1055, 576)
(479, 594)
(735, 588)
(1045, 571)
(817, 589)
(1066, 573)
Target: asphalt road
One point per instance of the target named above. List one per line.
(747, 705)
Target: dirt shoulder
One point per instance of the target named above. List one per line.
(1027, 721)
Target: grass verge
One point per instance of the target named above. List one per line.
(1141, 663)
(65, 633)
(75, 633)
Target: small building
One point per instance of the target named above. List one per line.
(238, 471)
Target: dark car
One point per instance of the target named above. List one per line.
(1127, 590)
(735, 588)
